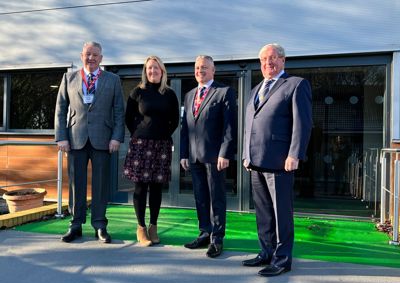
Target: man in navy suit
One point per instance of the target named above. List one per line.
(278, 125)
(208, 142)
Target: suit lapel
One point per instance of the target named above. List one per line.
(275, 87)
(190, 99)
(79, 85)
(100, 86)
(206, 100)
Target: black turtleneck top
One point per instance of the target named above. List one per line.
(150, 114)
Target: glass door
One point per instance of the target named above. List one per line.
(184, 194)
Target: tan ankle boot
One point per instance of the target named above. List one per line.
(153, 234)
(142, 237)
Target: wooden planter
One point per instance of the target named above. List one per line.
(18, 200)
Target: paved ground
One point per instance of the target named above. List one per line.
(30, 257)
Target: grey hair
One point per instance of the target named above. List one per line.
(278, 48)
(93, 43)
(206, 57)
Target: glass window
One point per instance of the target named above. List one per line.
(348, 105)
(33, 99)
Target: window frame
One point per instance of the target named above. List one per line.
(7, 75)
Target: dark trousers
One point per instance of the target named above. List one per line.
(210, 196)
(77, 170)
(273, 200)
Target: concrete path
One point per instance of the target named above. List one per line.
(31, 257)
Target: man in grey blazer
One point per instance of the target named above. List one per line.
(208, 142)
(89, 125)
(278, 125)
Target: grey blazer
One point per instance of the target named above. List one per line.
(212, 133)
(100, 122)
(281, 125)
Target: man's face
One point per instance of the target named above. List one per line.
(91, 57)
(203, 71)
(271, 63)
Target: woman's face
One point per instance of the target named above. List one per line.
(153, 71)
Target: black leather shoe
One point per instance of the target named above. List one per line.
(273, 270)
(257, 261)
(198, 243)
(71, 235)
(214, 250)
(102, 235)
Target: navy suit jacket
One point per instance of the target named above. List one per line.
(212, 133)
(281, 125)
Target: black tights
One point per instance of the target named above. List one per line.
(139, 201)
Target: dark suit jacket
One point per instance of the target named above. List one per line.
(212, 133)
(100, 122)
(281, 126)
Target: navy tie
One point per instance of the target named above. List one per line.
(91, 87)
(202, 91)
(262, 93)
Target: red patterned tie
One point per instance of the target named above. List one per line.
(198, 100)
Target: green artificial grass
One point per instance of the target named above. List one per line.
(337, 240)
(342, 206)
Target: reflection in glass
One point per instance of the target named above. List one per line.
(345, 130)
(33, 99)
(344, 133)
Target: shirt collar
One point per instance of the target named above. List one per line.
(207, 85)
(94, 73)
(277, 76)
(274, 78)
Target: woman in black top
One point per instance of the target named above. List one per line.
(152, 115)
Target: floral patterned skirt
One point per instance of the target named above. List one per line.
(148, 161)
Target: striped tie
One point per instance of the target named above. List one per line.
(262, 93)
(91, 86)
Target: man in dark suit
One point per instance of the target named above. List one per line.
(278, 125)
(208, 142)
(89, 124)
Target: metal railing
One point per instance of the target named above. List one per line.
(59, 213)
(371, 179)
(389, 197)
(354, 177)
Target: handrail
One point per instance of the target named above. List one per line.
(8, 142)
(395, 194)
(59, 213)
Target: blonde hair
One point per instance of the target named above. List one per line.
(163, 87)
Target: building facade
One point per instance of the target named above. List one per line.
(351, 61)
